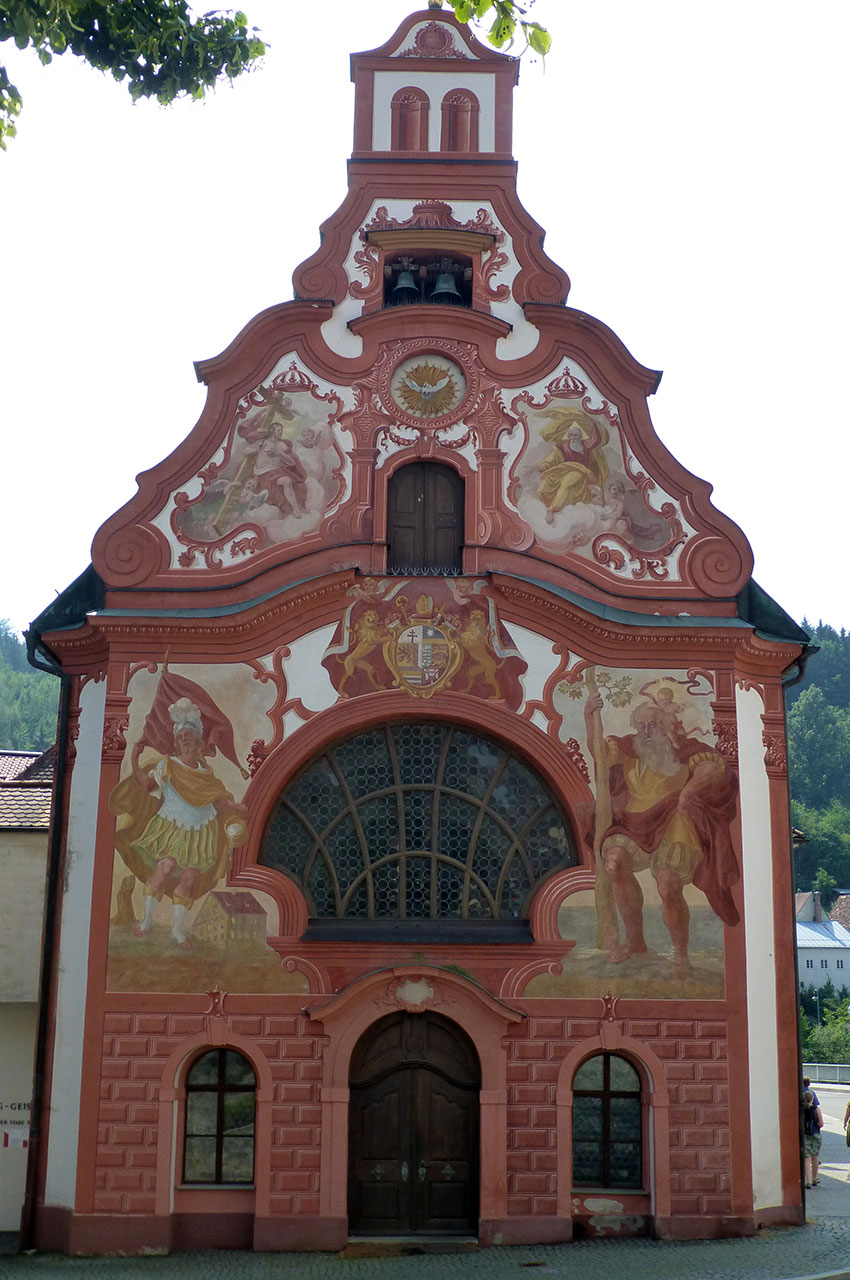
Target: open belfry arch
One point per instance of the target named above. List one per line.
(422, 860)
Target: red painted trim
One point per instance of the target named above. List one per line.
(482, 1018)
(481, 53)
(656, 1144)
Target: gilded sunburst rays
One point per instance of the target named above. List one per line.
(427, 390)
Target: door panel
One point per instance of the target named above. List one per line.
(448, 1140)
(425, 514)
(379, 1169)
(413, 1133)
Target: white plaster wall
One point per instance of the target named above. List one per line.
(818, 976)
(306, 678)
(436, 84)
(72, 960)
(542, 660)
(17, 1045)
(23, 856)
(762, 1031)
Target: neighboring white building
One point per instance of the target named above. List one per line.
(823, 953)
(26, 782)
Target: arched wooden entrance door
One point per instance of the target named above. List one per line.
(413, 1129)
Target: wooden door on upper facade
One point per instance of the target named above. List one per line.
(425, 518)
(413, 1130)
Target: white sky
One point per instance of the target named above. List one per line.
(689, 164)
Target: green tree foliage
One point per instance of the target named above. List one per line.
(829, 1042)
(162, 51)
(827, 844)
(506, 19)
(28, 698)
(155, 45)
(819, 762)
(819, 750)
(829, 669)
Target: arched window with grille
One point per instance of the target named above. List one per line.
(608, 1106)
(418, 829)
(218, 1141)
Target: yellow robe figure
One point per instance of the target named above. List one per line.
(576, 464)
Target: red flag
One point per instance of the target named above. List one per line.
(159, 727)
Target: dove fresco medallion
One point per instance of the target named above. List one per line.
(427, 386)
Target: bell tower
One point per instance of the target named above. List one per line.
(433, 92)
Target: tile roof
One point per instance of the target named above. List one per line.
(42, 768)
(841, 911)
(12, 763)
(26, 789)
(25, 805)
(825, 934)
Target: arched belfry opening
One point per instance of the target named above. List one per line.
(459, 123)
(413, 1137)
(409, 111)
(425, 518)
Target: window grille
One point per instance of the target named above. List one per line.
(418, 822)
(607, 1123)
(219, 1133)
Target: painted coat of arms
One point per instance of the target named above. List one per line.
(448, 636)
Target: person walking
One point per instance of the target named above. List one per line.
(812, 1125)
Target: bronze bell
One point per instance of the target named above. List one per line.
(445, 290)
(405, 290)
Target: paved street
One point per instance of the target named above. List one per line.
(820, 1249)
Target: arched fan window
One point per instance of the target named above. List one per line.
(418, 828)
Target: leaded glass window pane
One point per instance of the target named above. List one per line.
(418, 821)
(471, 763)
(607, 1123)
(587, 1164)
(199, 1160)
(589, 1074)
(365, 763)
(418, 895)
(625, 1118)
(587, 1119)
(201, 1113)
(624, 1078)
(219, 1119)
(237, 1160)
(205, 1070)
(625, 1165)
(237, 1070)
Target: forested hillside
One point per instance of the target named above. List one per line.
(28, 698)
(819, 762)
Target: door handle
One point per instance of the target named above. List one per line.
(404, 1171)
(423, 1172)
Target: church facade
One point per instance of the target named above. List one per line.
(422, 865)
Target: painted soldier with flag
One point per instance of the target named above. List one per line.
(179, 820)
